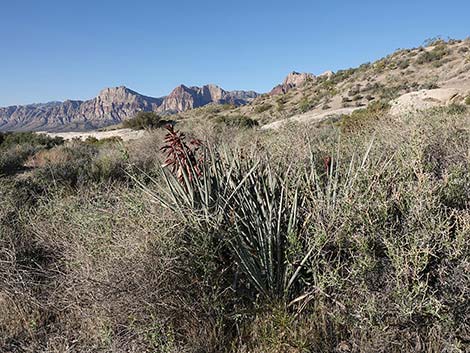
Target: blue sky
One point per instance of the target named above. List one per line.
(54, 50)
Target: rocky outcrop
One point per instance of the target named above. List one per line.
(327, 74)
(425, 99)
(112, 106)
(293, 80)
(184, 98)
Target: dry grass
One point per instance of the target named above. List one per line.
(98, 266)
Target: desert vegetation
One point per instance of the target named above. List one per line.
(144, 120)
(349, 236)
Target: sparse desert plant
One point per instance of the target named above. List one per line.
(144, 120)
(16, 148)
(456, 108)
(467, 100)
(252, 206)
(32, 139)
(237, 121)
(104, 141)
(433, 56)
(304, 105)
(362, 118)
(262, 108)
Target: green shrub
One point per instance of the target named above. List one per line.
(362, 118)
(79, 163)
(467, 100)
(262, 108)
(403, 64)
(455, 108)
(304, 105)
(240, 121)
(384, 229)
(435, 55)
(12, 159)
(144, 120)
(91, 140)
(17, 147)
(32, 139)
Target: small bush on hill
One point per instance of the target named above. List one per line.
(239, 121)
(79, 163)
(144, 120)
(28, 138)
(455, 108)
(90, 140)
(16, 148)
(467, 100)
(361, 118)
(435, 55)
(262, 108)
(304, 105)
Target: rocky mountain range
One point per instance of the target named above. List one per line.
(112, 106)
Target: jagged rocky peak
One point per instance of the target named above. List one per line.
(113, 105)
(183, 98)
(293, 80)
(327, 74)
(296, 79)
(117, 94)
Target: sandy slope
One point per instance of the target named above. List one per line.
(309, 117)
(124, 134)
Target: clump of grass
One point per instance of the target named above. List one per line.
(16, 148)
(263, 108)
(433, 56)
(361, 119)
(144, 120)
(237, 121)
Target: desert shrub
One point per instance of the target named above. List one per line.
(304, 105)
(91, 140)
(239, 121)
(467, 100)
(435, 55)
(143, 120)
(78, 163)
(456, 108)
(217, 108)
(68, 165)
(29, 139)
(429, 85)
(16, 148)
(362, 118)
(403, 64)
(262, 108)
(12, 159)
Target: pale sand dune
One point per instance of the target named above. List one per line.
(309, 117)
(425, 99)
(124, 134)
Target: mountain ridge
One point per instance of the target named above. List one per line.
(113, 105)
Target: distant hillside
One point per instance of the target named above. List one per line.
(305, 97)
(112, 106)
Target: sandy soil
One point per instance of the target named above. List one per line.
(425, 99)
(309, 117)
(124, 134)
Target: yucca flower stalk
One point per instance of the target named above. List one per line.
(251, 206)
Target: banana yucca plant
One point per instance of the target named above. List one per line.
(254, 207)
